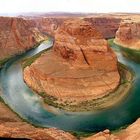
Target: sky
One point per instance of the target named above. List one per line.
(88, 6)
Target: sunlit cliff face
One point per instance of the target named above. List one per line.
(17, 35)
(128, 34)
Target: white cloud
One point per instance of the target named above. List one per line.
(14, 6)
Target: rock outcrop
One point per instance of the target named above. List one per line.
(81, 66)
(17, 35)
(128, 34)
(48, 25)
(23, 130)
(107, 26)
(132, 132)
(105, 135)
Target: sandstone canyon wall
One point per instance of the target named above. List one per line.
(17, 35)
(128, 34)
(48, 25)
(107, 26)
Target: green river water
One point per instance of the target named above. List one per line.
(18, 96)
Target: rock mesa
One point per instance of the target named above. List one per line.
(80, 67)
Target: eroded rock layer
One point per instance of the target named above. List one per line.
(80, 67)
(105, 25)
(23, 130)
(128, 34)
(17, 35)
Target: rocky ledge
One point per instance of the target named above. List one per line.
(128, 34)
(80, 67)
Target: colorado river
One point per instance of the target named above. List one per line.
(18, 96)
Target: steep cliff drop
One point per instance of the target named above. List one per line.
(128, 37)
(106, 25)
(128, 34)
(16, 36)
(80, 67)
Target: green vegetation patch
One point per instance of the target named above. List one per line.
(28, 61)
(81, 135)
(1, 100)
(131, 54)
(3, 61)
(111, 42)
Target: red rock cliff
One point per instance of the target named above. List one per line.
(128, 34)
(82, 44)
(105, 25)
(17, 35)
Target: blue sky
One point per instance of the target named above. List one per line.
(100, 6)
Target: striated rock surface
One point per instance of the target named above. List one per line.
(128, 34)
(80, 67)
(48, 25)
(17, 35)
(20, 34)
(23, 130)
(82, 45)
(105, 25)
